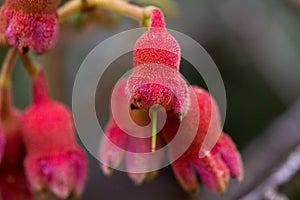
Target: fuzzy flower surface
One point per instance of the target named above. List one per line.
(29, 24)
(54, 161)
(156, 81)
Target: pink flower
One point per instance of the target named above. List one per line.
(113, 156)
(217, 165)
(13, 183)
(29, 24)
(156, 80)
(54, 160)
(11, 119)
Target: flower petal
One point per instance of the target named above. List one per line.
(62, 173)
(185, 174)
(112, 147)
(137, 161)
(231, 156)
(213, 172)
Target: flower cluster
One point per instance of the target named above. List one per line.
(156, 81)
(38, 148)
(40, 152)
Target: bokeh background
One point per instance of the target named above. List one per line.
(256, 46)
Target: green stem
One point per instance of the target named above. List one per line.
(154, 130)
(7, 67)
(141, 14)
(32, 67)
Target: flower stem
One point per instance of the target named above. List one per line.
(40, 89)
(141, 14)
(154, 130)
(32, 67)
(7, 67)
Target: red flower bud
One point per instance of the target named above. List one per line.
(29, 24)
(54, 160)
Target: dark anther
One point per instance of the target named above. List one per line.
(133, 107)
(25, 50)
(170, 111)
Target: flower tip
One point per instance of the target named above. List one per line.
(157, 19)
(193, 190)
(157, 45)
(151, 176)
(61, 190)
(138, 178)
(240, 178)
(222, 188)
(106, 170)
